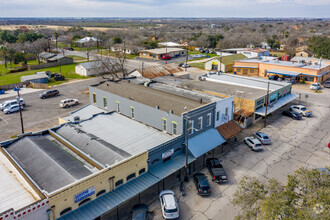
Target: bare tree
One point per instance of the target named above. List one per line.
(37, 47)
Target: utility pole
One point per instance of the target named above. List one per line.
(20, 110)
(318, 77)
(266, 104)
(185, 69)
(166, 53)
(187, 137)
(142, 68)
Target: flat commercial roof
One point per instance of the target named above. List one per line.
(111, 138)
(46, 162)
(245, 81)
(15, 192)
(226, 89)
(34, 76)
(151, 97)
(84, 113)
(314, 65)
(163, 50)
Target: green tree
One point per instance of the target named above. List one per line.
(213, 40)
(306, 195)
(117, 40)
(19, 57)
(4, 54)
(6, 36)
(286, 34)
(320, 46)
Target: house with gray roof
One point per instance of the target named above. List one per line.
(89, 68)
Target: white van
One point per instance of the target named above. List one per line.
(8, 103)
(315, 86)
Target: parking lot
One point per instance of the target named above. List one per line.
(295, 144)
(40, 114)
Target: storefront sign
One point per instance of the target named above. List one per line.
(167, 154)
(84, 194)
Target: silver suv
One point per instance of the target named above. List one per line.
(169, 205)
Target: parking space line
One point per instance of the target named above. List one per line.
(4, 120)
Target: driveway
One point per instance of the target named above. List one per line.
(295, 144)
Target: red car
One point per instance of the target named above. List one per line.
(166, 57)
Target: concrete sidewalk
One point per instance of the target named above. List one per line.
(12, 93)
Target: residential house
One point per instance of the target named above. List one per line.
(89, 68)
(62, 60)
(304, 53)
(129, 49)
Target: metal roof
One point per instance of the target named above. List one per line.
(48, 164)
(34, 76)
(90, 65)
(151, 97)
(127, 191)
(15, 192)
(278, 104)
(283, 72)
(58, 57)
(160, 70)
(84, 113)
(46, 55)
(110, 138)
(170, 44)
(204, 142)
(163, 50)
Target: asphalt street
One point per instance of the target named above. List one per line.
(295, 144)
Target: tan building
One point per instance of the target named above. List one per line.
(310, 71)
(304, 53)
(157, 54)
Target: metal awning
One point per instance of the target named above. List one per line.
(204, 142)
(174, 164)
(273, 107)
(111, 200)
(284, 72)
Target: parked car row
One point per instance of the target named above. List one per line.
(297, 112)
(257, 141)
(183, 65)
(11, 106)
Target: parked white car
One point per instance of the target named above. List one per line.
(315, 86)
(8, 103)
(253, 143)
(12, 108)
(301, 109)
(68, 102)
(169, 205)
(262, 137)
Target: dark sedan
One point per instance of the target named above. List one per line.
(292, 115)
(202, 185)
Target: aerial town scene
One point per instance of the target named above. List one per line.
(150, 110)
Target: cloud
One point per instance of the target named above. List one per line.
(169, 8)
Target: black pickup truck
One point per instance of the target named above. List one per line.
(216, 170)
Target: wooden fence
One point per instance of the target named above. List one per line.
(39, 85)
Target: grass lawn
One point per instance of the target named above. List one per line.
(33, 62)
(67, 70)
(278, 54)
(4, 70)
(198, 65)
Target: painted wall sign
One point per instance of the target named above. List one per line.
(167, 154)
(84, 194)
(273, 96)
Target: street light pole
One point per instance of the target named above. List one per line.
(20, 110)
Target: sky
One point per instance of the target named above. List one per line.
(165, 8)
